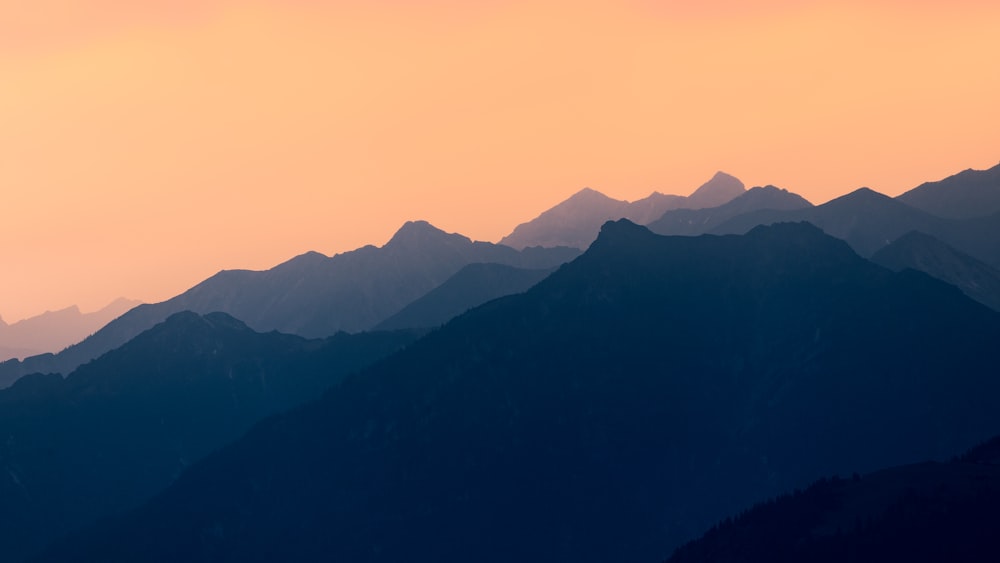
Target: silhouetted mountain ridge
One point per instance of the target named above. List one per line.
(968, 194)
(701, 221)
(576, 221)
(122, 427)
(615, 409)
(311, 295)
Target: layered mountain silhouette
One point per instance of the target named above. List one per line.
(864, 218)
(611, 412)
(968, 194)
(929, 255)
(122, 427)
(473, 285)
(701, 221)
(311, 295)
(868, 221)
(54, 330)
(577, 221)
(924, 512)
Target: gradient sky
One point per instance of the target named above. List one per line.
(146, 145)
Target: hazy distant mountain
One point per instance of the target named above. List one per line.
(615, 409)
(929, 255)
(713, 193)
(971, 193)
(700, 221)
(576, 221)
(472, 286)
(311, 295)
(122, 427)
(54, 330)
(925, 512)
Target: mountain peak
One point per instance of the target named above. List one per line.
(864, 195)
(418, 232)
(722, 188)
(621, 232)
(588, 194)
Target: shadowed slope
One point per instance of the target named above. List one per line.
(926, 512)
(472, 286)
(122, 427)
(927, 254)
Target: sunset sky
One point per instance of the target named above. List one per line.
(146, 145)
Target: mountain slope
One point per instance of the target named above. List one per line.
(971, 193)
(577, 221)
(472, 286)
(311, 295)
(923, 512)
(614, 410)
(122, 427)
(700, 221)
(929, 255)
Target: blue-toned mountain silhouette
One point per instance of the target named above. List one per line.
(929, 255)
(311, 295)
(122, 427)
(577, 221)
(613, 411)
(968, 194)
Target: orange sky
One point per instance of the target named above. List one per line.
(146, 145)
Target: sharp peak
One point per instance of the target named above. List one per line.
(721, 180)
(417, 231)
(723, 175)
(863, 193)
(588, 193)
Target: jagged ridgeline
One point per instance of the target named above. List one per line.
(613, 411)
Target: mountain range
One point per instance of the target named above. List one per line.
(613, 411)
(576, 221)
(310, 295)
(701, 221)
(122, 427)
(54, 330)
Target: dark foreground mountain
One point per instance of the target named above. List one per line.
(576, 221)
(935, 258)
(613, 411)
(472, 286)
(926, 512)
(122, 427)
(971, 193)
(700, 221)
(311, 295)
